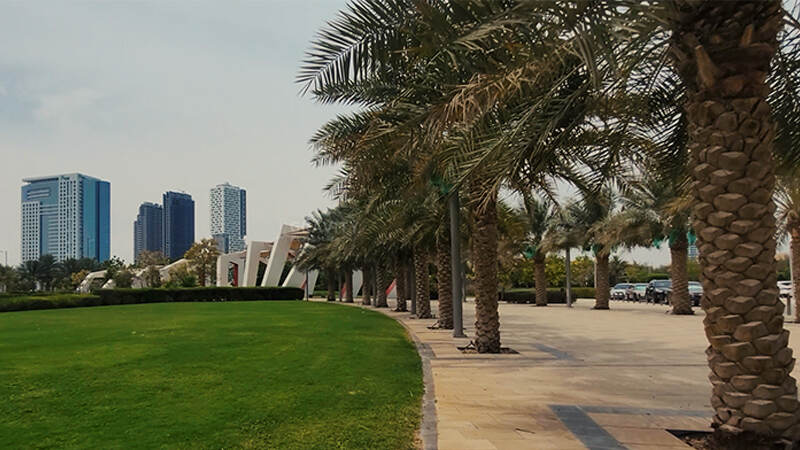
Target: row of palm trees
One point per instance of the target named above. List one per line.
(46, 274)
(680, 108)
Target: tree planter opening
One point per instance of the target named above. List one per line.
(470, 349)
(707, 440)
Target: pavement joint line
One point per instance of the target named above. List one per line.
(560, 355)
(632, 410)
(589, 432)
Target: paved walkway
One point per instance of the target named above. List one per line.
(582, 379)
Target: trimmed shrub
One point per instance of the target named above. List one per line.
(153, 295)
(554, 295)
(53, 301)
(583, 292)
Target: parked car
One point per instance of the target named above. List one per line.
(636, 292)
(619, 290)
(785, 289)
(658, 291)
(695, 292)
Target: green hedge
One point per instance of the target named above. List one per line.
(51, 301)
(157, 295)
(554, 295)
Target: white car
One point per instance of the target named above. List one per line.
(619, 290)
(785, 289)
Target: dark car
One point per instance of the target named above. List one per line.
(695, 292)
(658, 291)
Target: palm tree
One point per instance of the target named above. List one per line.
(590, 215)
(730, 140)
(541, 216)
(444, 280)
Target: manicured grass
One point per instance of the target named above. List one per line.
(207, 375)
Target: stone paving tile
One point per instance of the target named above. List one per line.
(644, 436)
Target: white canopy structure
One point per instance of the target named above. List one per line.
(245, 264)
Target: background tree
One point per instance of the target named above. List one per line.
(203, 259)
(77, 278)
(152, 277)
(123, 278)
(112, 266)
(149, 258)
(9, 279)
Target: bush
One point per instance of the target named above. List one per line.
(583, 292)
(51, 301)
(155, 295)
(554, 295)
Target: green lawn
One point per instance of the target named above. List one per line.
(207, 375)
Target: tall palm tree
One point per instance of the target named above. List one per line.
(722, 52)
(590, 215)
(541, 216)
(484, 263)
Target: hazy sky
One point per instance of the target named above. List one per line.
(163, 96)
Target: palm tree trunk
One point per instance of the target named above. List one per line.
(679, 255)
(411, 285)
(444, 278)
(365, 289)
(381, 285)
(348, 285)
(722, 51)
(540, 279)
(602, 290)
(400, 276)
(331, 285)
(484, 256)
(794, 247)
(421, 278)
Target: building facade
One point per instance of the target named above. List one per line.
(148, 229)
(178, 234)
(228, 208)
(66, 216)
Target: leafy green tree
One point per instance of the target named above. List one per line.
(123, 278)
(112, 266)
(555, 270)
(9, 279)
(152, 277)
(582, 270)
(149, 258)
(203, 259)
(181, 276)
(77, 278)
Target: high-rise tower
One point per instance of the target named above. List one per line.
(148, 229)
(66, 216)
(228, 217)
(178, 224)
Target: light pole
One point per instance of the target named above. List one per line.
(455, 263)
(306, 284)
(5, 252)
(569, 282)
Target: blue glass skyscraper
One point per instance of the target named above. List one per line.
(66, 216)
(178, 224)
(148, 229)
